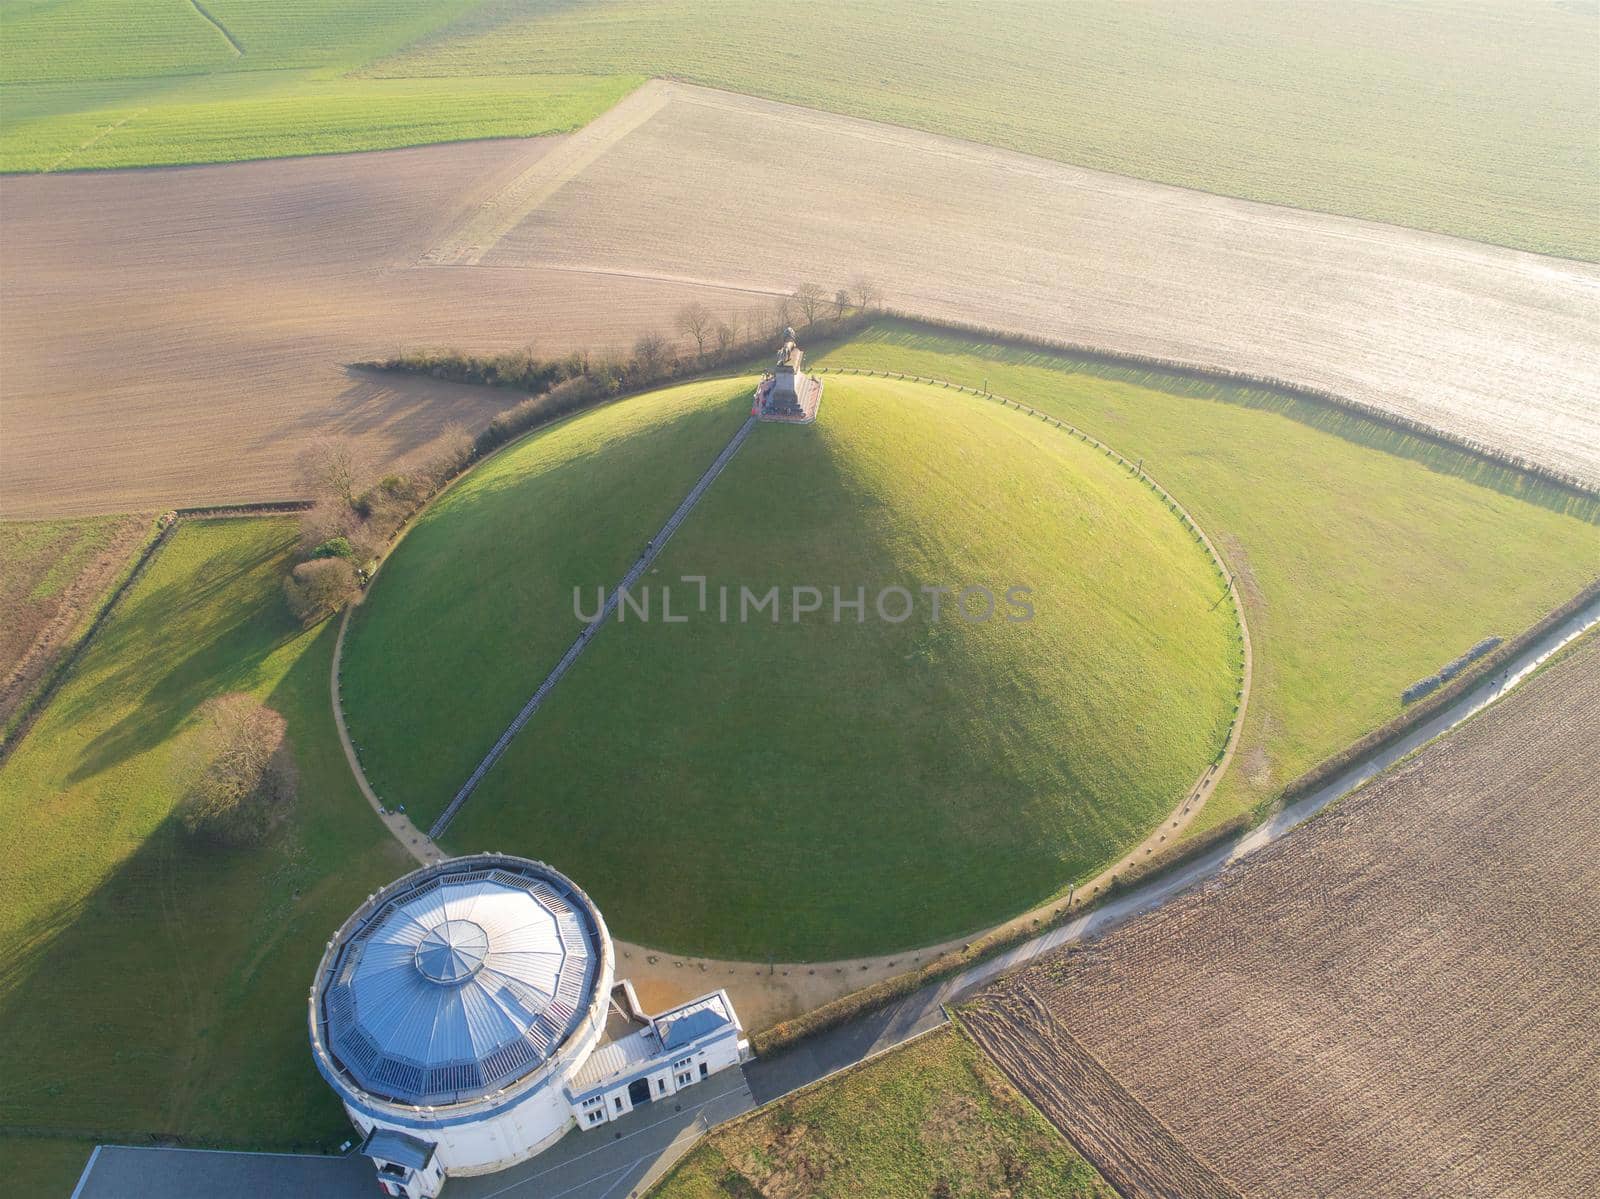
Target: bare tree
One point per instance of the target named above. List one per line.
(780, 316)
(809, 298)
(865, 292)
(726, 335)
(650, 354)
(452, 452)
(244, 780)
(841, 302)
(695, 320)
(319, 588)
(331, 469)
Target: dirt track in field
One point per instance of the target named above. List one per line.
(1493, 344)
(1397, 999)
(175, 336)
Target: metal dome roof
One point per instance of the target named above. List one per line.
(459, 980)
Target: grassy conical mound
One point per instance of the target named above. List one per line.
(814, 787)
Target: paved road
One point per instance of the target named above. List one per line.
(618, 1161)
(922, 1010)
(623, 1160)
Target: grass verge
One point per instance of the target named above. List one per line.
(934, 1117)
(1367, 558)
(153, 987)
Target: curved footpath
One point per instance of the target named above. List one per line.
(648, 1143)
(768, 992)
(924, 1010)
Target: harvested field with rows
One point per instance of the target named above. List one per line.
(177, 336)
(1492, 344)
(1397, 999)
(54, 575)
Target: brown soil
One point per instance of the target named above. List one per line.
(1135, 1152)
(1397, 999)
(38, 629)
(174, 336)
(1488, 343)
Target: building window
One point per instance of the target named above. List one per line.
(596, 1116)
(661, 1086)
(705, 1070)
(685, 1078)
(619, 1103)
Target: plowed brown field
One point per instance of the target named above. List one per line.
(1398, 999)
(1494, 344)
(174, 336)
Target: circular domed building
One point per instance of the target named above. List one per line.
(456, 1011)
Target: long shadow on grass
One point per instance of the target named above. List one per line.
(515, 564)
(169, 1003)
(722, 746)
(169, 649)
(1325, 416)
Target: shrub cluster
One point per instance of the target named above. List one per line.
(345, 528)
(579, 380)
(344, 531)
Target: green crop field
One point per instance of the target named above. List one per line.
(152, 985)
(1423, 114)
(113, 83)
(932, 1118)
(43, 1165)
(841, 787)
(1368, 559)
(39, 561)
(1475, 119)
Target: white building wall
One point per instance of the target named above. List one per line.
(666, 1079)
(490, 1142)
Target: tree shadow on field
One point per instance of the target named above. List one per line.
(397, 413)
(1326, 416)
(125, 1010)
(169, 649)
(166, 1001)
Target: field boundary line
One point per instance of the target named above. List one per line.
(474, 235)
(30, 709)
(95, 140)
(238, 50)
(652, 550)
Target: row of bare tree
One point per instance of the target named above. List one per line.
(808, 304)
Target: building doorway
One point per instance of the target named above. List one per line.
(639, 1091)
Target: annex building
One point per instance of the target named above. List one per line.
(468, 1017)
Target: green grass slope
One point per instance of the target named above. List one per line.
(44, 1165)
(1468, 118)
(118, 83)
(151, 985)
(1368, 559)
(475, 606)
(931, 1118)
(815, 789)
(1475, 119)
